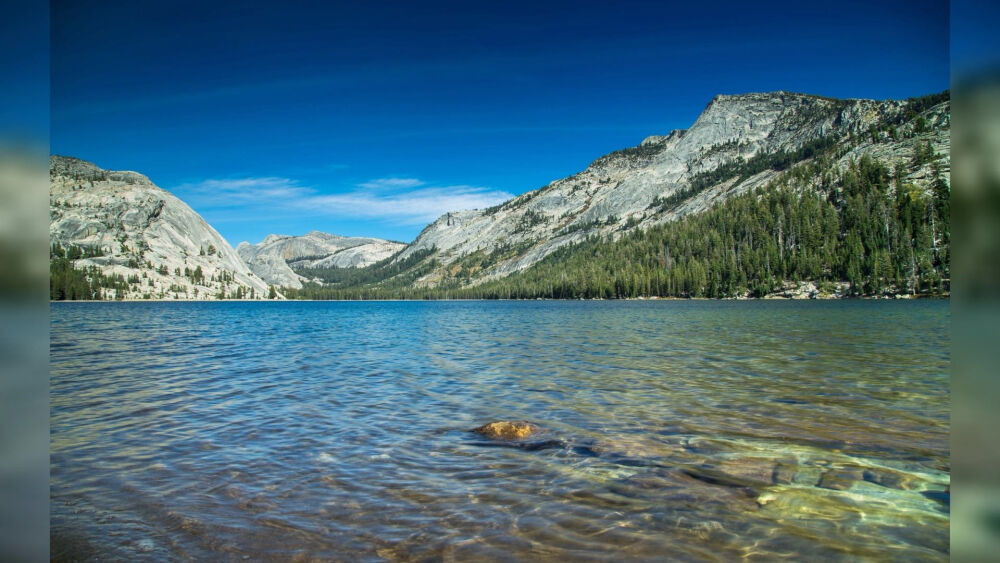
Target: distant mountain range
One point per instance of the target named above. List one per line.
(274, 257)
(115, 235)
(842, 196)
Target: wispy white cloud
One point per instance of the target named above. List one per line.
(404, 201)
(416, 206)
(391, 183)
(242, 191)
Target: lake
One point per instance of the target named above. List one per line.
(688, 430)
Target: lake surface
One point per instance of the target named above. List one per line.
(688, 430)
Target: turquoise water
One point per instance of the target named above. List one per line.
(696, 430)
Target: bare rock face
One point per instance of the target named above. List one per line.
(619, 192)
(131, 228)
(273, 258)
(508, 430)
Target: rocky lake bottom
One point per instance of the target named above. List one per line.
(687, 430)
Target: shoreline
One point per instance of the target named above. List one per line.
(893, 297)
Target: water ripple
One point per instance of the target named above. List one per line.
(702, 430)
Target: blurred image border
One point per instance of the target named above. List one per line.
(24, 325)
(975, 182)
(24, 309)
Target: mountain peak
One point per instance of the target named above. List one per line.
(135, 240)
(658, 139)
(72, 167)
(776, 98)
(274, 238)
(324, 235)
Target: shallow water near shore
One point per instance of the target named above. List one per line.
(695, 430)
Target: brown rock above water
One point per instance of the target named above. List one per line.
(507, 430)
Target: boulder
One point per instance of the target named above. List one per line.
(891, 479)
(508, 430)
(839, 479)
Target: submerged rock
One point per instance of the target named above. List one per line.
(527, 445)
(784, 473)
(839, 479)
(508, 430)
(942, 497)
(759, 471)
(890, 479)
(708, 474)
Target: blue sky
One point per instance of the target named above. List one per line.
(372, 119)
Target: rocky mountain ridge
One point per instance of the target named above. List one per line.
(667, 177)
(152, 245)
(274, 258)
(136, 240)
